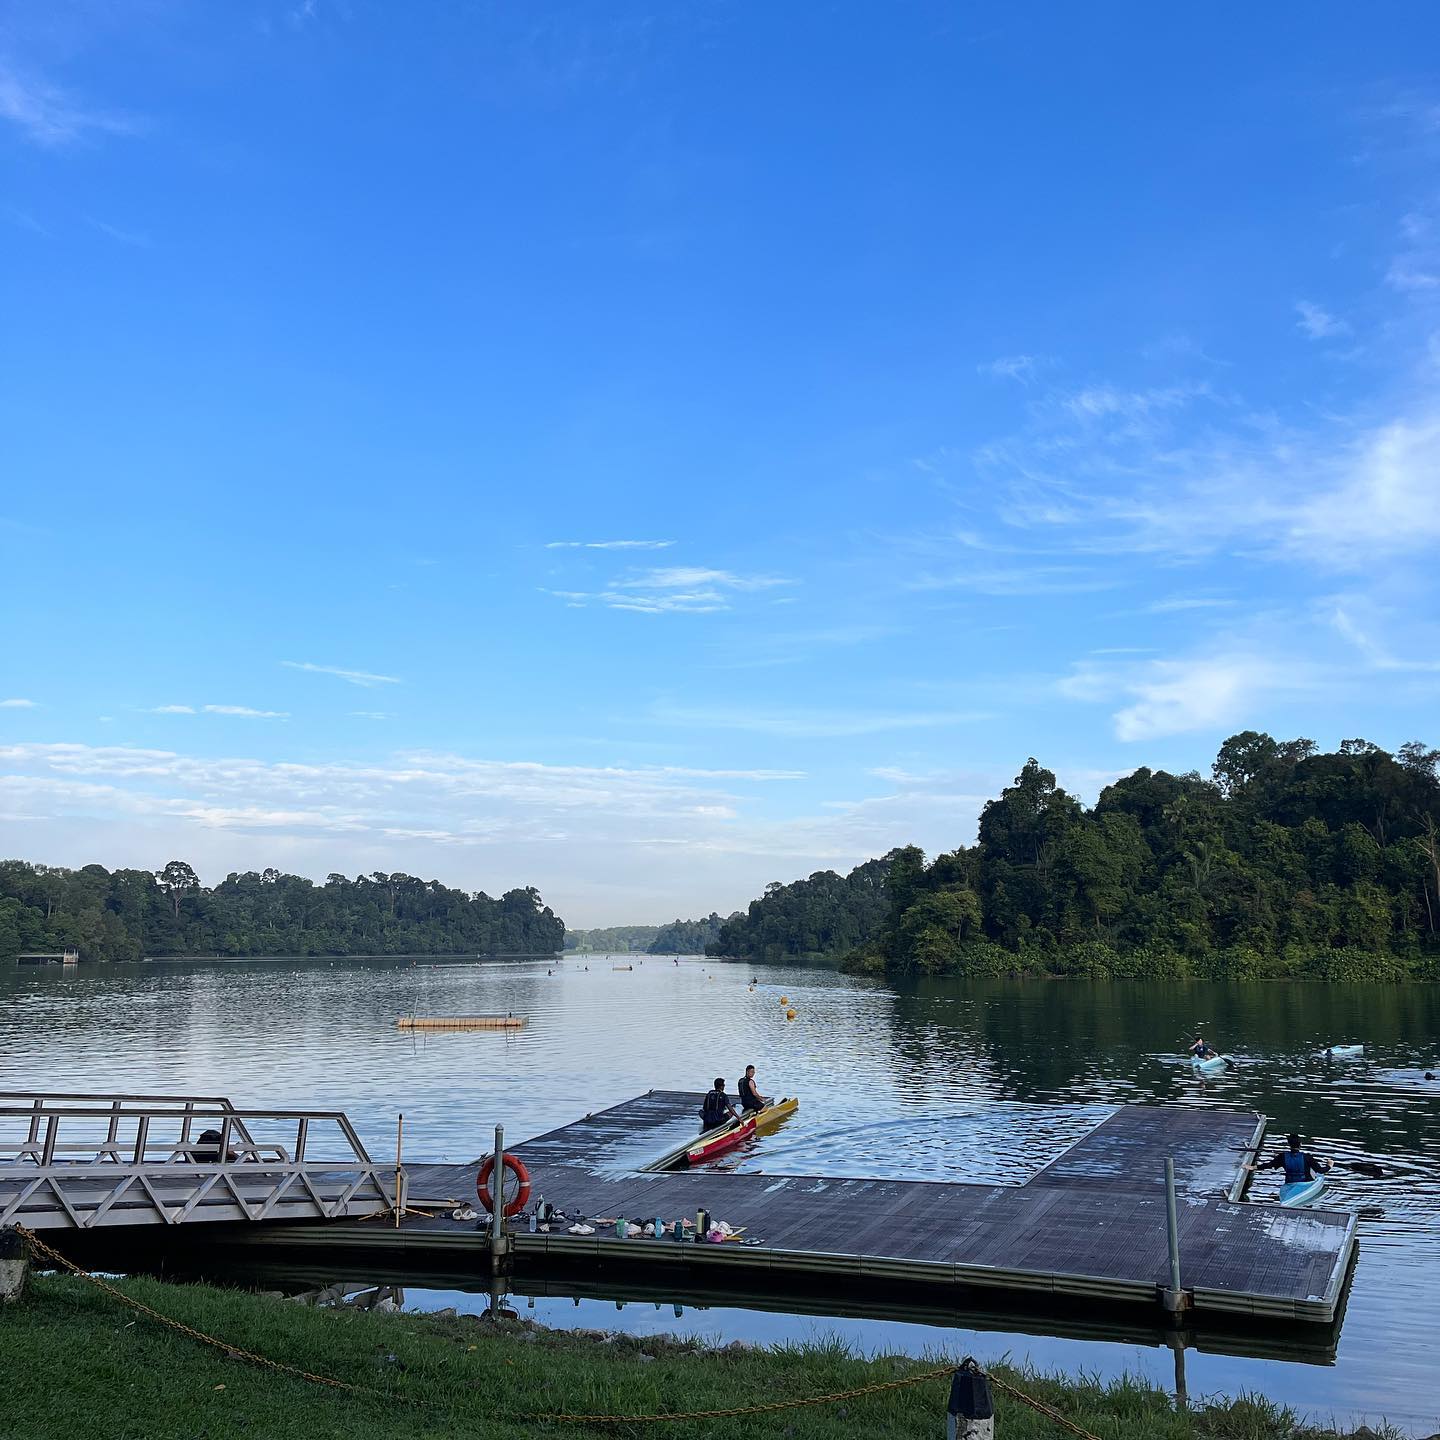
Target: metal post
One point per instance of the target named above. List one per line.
(971, 1412)
(399, 1171)
(1174, 1296)
(497, 1201)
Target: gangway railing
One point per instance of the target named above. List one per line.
(83, 1161)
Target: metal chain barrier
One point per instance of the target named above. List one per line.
(834, 1397)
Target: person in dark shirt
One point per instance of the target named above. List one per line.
(1201, 1049)
(1299, 1165)
(751, 1099)
(716, 1108)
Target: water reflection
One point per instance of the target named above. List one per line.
(966, 1081)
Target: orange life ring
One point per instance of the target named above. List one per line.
(516, 1166)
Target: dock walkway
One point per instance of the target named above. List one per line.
(1090, 1225)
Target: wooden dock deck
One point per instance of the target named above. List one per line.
(1089, 1226)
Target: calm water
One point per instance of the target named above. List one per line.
(979, 1081)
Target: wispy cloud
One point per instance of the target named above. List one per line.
(133, 238)
(1023, 368)
(17, 703)
(609, 544)
(1157, 698)
(372, 715)
(811, 723)
(243, 712)
(1188, 602)
(1017, 580)
(1317, 322)
(353, 677)
(678, 589)
(49, 116)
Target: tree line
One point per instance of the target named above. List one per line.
(129, 914)
(1286, 860)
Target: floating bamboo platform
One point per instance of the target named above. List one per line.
(460, 1022)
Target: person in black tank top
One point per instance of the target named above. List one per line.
(751, 1099)
(716, 1107)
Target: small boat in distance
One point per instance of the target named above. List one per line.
(1211, 1066)
(1342, 1052)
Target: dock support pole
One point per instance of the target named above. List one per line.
(399, 1170)
(497, 1200)
(14, 1265)
(1174, 1296)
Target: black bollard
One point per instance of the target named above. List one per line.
(972, 1408)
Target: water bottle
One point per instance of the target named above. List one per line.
(621, 1226)
(659, 1228)
(534, 1220)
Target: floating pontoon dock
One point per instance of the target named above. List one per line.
(1089, 1227)
(460, 1022)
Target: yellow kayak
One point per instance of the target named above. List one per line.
(774, 1113)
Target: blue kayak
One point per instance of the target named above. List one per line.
(1302, 1192)
(1343, 1052)
(1210, 1066)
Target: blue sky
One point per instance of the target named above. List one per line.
(647, 452)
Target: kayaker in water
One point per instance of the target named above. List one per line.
(716, 1107)
(751, 1100)
(1299, 1165)
(1201, 1049)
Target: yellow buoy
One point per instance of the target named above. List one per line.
(789, 1014)
(784, 999)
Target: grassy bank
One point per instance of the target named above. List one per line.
(75, 1365)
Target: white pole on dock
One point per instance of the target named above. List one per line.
(1174, 1296)
(399, 1170)
(497, 1202)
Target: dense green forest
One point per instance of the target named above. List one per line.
(828, 914)
(688, 937)
(613, 940)
(127, 914)
(1286, 861)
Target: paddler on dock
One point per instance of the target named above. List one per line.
(716, 1108)
(751, 1100)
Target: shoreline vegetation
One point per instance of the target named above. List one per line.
(1287, 862)
(133, 914)
(79, 1365)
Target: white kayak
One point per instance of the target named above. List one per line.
(1210, 1066)
(1302, 1192)
(1342, 1052)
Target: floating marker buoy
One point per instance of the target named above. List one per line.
(789, 1014)
(784, 999)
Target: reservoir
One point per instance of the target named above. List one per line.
(941, 1079)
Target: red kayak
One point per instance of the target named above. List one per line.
(717, 1142)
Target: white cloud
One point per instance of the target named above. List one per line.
(353, 677)
(173, 710)
(1023, 368)
(1411, 274)
(1188, 602)
(372, 715)
(123, 237)
(1176, 697)
(811, 723)
(246, 713)
(49, 116)
(675, 589)
(17, 704)
(609, 544)
(1317, 322)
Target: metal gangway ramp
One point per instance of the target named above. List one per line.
(83, 1161)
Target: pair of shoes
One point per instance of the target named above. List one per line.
(582, 1229)
(465, 1212)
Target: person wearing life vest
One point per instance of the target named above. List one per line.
(1201, 1049)
(1299, 1165)
(750, 1097)
(716, 1108)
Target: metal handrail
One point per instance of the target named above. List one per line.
(80, 1178)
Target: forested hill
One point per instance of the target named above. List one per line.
(1286, 860)
(688, 937)
(828, 914)
(126, 914)
(613, 939)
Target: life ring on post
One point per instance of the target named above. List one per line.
(516, 1166)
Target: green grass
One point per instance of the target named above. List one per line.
(76, 1365)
